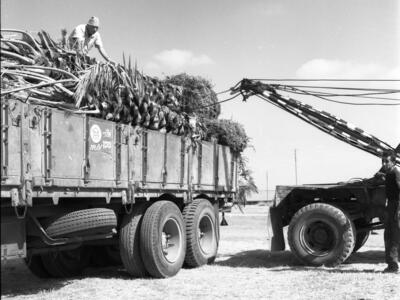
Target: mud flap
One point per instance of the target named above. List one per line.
(276, 242)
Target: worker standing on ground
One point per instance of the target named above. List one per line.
(85, 36)
(392, 223)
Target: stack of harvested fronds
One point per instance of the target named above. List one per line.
(42, 71)
(124, 95)
(21, 48)
(45, 72)
(38, 71)
(229, 133)
(197, 96)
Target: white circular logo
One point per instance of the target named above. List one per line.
(95, 133)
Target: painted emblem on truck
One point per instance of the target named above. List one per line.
(100, 138)
(95, 133)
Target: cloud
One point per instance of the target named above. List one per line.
(176, 59)
(325, 68)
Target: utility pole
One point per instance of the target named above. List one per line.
(266, 174)
(295, 164)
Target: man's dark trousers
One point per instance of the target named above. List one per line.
(392, 235)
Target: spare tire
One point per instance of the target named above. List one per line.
(81, 223)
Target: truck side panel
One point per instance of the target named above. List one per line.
(207, 165)
(155, 157)
(70, 154)
(102, 158)
(11, 142)
(66, 146)
(174, 161)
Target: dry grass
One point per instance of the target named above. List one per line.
(244, 269)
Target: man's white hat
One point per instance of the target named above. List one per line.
(94, 21)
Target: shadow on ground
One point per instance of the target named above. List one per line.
(284, 260)
(17, 280)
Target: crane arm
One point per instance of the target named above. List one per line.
(322, 120)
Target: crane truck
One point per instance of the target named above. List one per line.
(326, 222)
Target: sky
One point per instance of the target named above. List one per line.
(225, 41)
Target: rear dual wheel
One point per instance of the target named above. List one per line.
(129, 241)
(163, 239)
(201, 232)
(67, 263)
(36, 266)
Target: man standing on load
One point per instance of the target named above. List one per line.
(392, 223)
(85, 36)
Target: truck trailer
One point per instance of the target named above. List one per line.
(74, 186)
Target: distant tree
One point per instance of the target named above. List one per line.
(196, 94)
(246, 182)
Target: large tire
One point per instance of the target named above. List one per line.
(81, 223)
(105, 255)
(201, 233)
(70, 263)
(163, 239)
(113, 255)
(35, 265)
(129, 242)
(321, 234)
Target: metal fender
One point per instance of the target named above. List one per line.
(275, 230)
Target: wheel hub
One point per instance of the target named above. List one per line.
(171, 240)
(206, 235)
(318, 238)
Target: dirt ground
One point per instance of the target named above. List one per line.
(244, 269)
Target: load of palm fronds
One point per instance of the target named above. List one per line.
(122, 94)
(197, 95)
(227, 132)
(21, 48)
(45, 72)
(40, 70)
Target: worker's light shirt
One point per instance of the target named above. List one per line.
(80, 34)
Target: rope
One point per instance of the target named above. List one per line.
(345, 102)
(335, 80)
(222, 101)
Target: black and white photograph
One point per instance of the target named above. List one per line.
(214, 149)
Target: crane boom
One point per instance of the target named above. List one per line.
(322, 120)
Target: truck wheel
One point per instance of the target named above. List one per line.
(163, 239)
(113, 255)
(201, 235)
(321, 234)
(106, 255)
(129, 241)
(35, 265)
(81, 222)
(68, 263)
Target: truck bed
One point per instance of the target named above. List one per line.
(50, 153)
